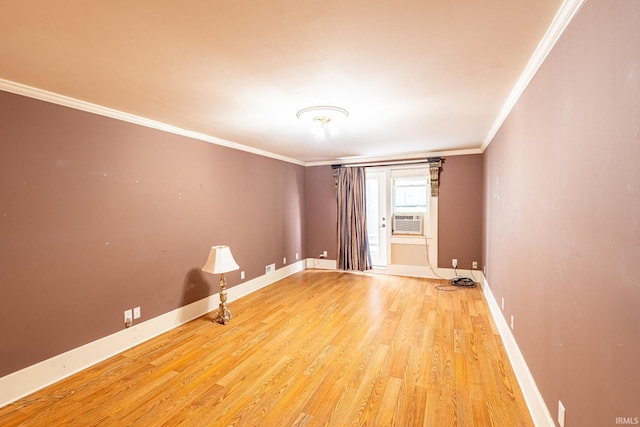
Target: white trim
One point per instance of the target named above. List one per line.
(32, 378)
(397, 270)
(535, 403)
(431, 240)
(563, 17)
(65, 101)
(565, 14)
(321, 263)
(404, 239)
(537, 408)
(426, 272)
(399, 158)
(35, 377)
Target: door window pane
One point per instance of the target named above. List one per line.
(373, 215)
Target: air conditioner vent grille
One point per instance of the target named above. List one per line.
(407, 224)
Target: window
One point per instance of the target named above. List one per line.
(410, 200)
(375, 213)
(410, 195)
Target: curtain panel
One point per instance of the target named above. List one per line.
(353, 242)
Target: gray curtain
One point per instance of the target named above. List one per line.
(353, 243)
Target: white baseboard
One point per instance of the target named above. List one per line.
(426, 272)
(35, 377)
(32, 378)
(321, 263)
(397, 270)
(538, 409)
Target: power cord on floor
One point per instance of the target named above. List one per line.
(463, 282)
(457, 282)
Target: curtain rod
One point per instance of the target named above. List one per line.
(390, 163)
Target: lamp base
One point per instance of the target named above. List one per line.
(224, 315)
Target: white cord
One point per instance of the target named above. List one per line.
(426, 241)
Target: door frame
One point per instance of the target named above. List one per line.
(382, 223)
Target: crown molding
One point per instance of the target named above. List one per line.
(399, 158)
(65, 101)
(564, 16)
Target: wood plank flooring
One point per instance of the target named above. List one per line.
(319, 348)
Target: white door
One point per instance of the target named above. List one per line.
(377, 219)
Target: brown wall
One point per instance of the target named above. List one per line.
(562, 209)
(459, 215)
(460, 211)
(321, 212)
(98, 216)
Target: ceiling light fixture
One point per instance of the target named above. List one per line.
(322, 119)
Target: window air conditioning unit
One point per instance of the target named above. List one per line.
(407, 223)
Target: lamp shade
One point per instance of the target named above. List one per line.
(220, 260)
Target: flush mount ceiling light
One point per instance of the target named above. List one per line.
(323, 119)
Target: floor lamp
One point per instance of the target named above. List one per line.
(221, 261)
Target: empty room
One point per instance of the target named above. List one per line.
(331, 213)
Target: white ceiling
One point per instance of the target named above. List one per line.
(417, 76)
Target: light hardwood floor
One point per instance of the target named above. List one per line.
(317, 348)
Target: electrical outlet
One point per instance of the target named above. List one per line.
(136, 313)
(242, 275)
(454, 263)
(270, 268)
(502, 303)
(474, 265)
(284, 260)
(128, 317)
(561, 414)
(512, 322)
(297, 256)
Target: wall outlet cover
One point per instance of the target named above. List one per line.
(561, 414)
